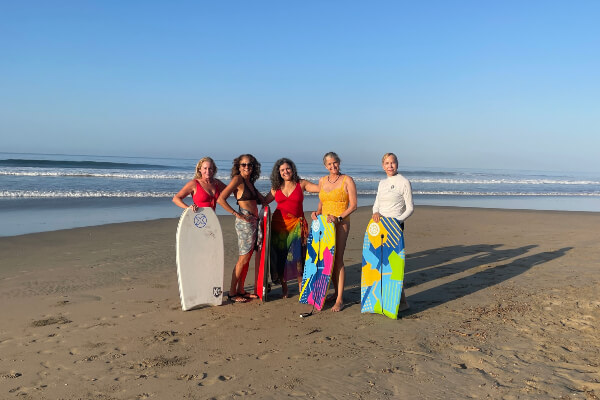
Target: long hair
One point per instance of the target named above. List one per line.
(276, 179)
(198, 174)
(235, 169)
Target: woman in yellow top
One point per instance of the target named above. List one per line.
(337, 200)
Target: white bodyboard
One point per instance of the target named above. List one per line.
(200, 258)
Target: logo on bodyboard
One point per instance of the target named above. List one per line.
(200, 220)
(374, 229)
(315, 225)
(217, 291)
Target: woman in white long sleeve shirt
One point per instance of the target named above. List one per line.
(394, 200)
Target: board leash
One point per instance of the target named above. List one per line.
(381, 273)
(308, 314)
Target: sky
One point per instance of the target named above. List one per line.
(457, 84)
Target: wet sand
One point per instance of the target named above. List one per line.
(504, 304)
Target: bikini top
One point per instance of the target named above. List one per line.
(248, 194)
(203, 199)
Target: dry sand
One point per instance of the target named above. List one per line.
(505, 304)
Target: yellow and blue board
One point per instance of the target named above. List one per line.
(383, 261)
(320, 254)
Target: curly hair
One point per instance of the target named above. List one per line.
(276, 179)
(198, 174)
(235, 169)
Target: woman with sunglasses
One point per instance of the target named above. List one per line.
(244, 172)
(337, 200)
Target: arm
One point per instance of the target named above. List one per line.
(376, 214)
(270, 196)
(183, 193)
(262, 199)
(308, 186)
(408, 201)
(226, 193)
(314, 214)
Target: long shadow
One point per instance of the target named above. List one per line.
(489, 255)
(479, 280)
(432, 257)
(463, 286)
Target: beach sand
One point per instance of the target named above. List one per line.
(504, 304)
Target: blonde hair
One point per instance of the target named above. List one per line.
(386, 155)
(198, 174)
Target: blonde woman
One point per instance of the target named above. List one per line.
(337, 200)
(204, 188)
(394, 200)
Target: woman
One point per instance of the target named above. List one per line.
(394, 200)
(289, 229)
(204, 188)
(244, 172)
(337, 200)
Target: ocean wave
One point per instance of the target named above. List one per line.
(17, 162)
(156, 194)
(517, 194)
(164, 175)
(80, 194)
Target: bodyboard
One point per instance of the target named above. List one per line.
(383, 260)
(262, 257)
(200, 258)
(320, 255)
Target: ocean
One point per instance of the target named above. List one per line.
(45, 192)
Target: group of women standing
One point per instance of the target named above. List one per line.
(337, 200)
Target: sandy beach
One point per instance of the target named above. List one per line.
(505, 304)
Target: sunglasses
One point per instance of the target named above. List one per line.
(249, 165)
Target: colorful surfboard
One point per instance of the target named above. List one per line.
(382, 267)
(318, 266)
(261, 266)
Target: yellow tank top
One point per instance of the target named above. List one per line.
(335, 201)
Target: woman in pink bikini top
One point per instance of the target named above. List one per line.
(204, 188)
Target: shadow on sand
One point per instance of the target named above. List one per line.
(433, 264)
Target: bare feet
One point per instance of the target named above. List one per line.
(338, 306)
(248, 296)
(237, 298)
(403, 307)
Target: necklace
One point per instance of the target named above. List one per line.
(336, 179)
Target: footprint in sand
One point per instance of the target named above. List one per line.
(216, 379)
(192, 377)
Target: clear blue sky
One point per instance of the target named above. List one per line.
(481, 84)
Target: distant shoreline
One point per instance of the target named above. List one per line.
(153, 212)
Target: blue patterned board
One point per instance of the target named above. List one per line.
(318, 266)
(383, 261)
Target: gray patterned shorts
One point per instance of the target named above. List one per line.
(246, 233)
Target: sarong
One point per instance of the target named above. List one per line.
(288, 246)
(246, 232)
